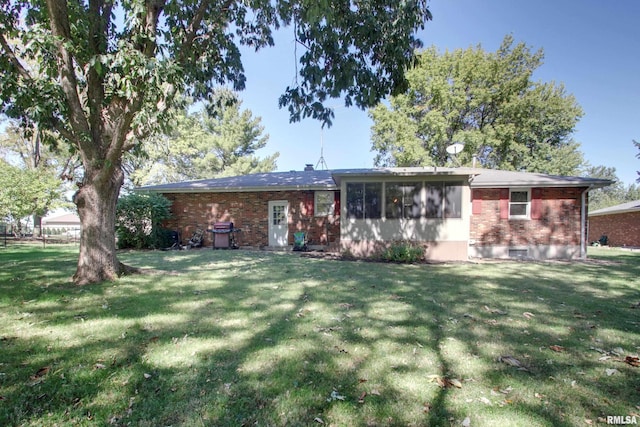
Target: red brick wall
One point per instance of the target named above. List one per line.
(249, 212)
(558, 223)
(622, 229)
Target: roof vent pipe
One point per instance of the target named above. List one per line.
(308, 167)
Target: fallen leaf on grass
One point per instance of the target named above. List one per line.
(454, 382)
(375, 392)
(426, 407)
(438, 380)
(445, 382)
(362, 396)
(485, 401)
(512, 361)
(528, 315)
(99, 366)
(41, 373)
(610, 372)
(632, 360)
(494, 310)
(505, 402)
(618, 351)
(318, 420)
(506, 390)
(335, 396)
(557, 348)
(466, 422)
(39, 376)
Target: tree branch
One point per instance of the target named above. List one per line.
(190, 33)
(64, 132)
(100, 18)
(123, 111)
(14, 59)
(59, 20)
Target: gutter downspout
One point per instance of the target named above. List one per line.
(583, 222)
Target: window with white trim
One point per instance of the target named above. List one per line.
(519, 203)
(324, 203)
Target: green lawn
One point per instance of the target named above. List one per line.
(232, 338)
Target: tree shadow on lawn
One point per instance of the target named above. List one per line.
(274, 339)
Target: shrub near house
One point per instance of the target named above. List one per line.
(138, 221)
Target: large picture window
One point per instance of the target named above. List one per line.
(364, 200)
(403, 200)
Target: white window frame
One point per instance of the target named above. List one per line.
(527, 215)
(326, 210)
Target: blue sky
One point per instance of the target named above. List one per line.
(592, 47)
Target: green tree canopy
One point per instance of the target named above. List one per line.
(487, 101)
(108, 71)
(25, 192)
(220, 140)
(611, 195)
(25, 149)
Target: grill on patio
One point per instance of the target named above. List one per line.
(223, 235)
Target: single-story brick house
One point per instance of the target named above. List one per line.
(620, 223)
(454, 213)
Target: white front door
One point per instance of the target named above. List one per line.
(278, 223)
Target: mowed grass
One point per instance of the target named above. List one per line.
(235, 338)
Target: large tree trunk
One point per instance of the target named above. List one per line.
(96, 201)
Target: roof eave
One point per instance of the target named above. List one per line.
(338, 176)
(591, 185)
(230, 189)
(621, 211)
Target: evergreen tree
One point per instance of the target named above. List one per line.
(220, 140)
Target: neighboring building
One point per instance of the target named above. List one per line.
(61, 221)
(454, 213)
(621, 224)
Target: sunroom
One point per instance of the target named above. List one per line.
(423, 206)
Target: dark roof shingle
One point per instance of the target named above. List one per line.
(617, 209)
(330, 180)
(293, 180)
